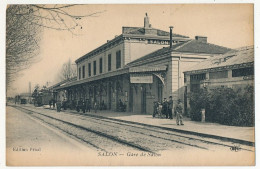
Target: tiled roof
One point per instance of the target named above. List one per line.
(195, 46)
(141, 31)
(62, 83)
(150, 56)
(192, 46)
(233, 57)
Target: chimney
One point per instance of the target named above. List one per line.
(202, 39)
(146, 21)
(171, 27)
(148, 30)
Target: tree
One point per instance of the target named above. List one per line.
(68, 71)
(36, 90)
(24, 25)
(22, 40)
(224, 105)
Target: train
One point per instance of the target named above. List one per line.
(42, 98)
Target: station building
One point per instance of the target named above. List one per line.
(136, 68)
(234, 69)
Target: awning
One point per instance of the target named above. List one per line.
(94, 78)
(147, 69)
(139, 69)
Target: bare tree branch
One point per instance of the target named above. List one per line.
(68, 71)
(24, 26)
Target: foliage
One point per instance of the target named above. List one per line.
(24, 25)
(22, 39)
(224, 105)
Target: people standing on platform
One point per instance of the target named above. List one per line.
(88, 105)
(83, 106)
(170, 107)
(121, 106)
(95, 106)
(102, 105)
(159, 109)
(53, 103)
(50, 103)
(155, 108)
(64, 104)
(178, 109)
(165, 108)
(59, 105)
(79, 105)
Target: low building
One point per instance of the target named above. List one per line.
(234, 69)
(23, 97)
(138, 67)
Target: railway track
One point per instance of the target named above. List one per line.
(107, 134)
(86, 135)
(157, 132)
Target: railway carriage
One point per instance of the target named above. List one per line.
(43, 98)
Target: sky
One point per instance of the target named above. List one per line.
(226, 25)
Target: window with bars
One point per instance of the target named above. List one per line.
(243, 72)
(198, 77)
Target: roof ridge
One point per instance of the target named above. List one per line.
(243, 48)
(216, 45)
(185, 43)
(222, 60)
(132, 27)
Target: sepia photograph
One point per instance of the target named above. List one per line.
(130, 84)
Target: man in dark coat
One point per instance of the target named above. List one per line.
(88, 105)
(165, 108)
(155, 108)
(79, 106)
(170, 107)
(83, 106)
